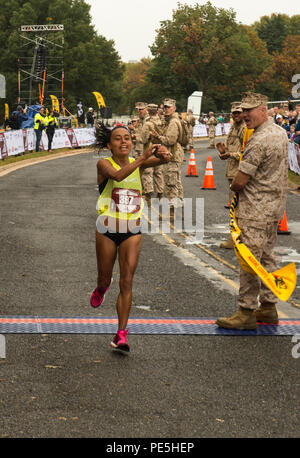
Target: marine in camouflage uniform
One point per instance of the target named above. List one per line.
(132, 128)
(212, 122)
(160, 113)
(231, 152)
(261, 181)
(191, 123)
(233, 145)
(173, 190)
(139, 146)
(153, 123)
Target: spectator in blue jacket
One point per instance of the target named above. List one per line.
(286, 124)
(22, 116)
(297, 132)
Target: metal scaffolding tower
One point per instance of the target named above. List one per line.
(41, 64)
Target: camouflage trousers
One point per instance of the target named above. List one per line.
(189, 145)
(260, 238)
(191, 137)
(212, 136)
(153, 177)
(173, 186)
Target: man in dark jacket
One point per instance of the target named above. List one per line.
(22, 116)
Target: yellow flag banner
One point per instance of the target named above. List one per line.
(282, 282)
(6, 114)
(247, 135)
(55, 103)
(100, 99)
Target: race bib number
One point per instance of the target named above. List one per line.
(126, 200)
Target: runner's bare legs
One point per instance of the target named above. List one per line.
(129, 252)
(106, 252)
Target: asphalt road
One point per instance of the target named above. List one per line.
(169, 386)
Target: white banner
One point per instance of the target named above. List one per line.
(85, 136)
(201, 130)
(30, 139)
(60, 139)
(3, 150)
(14, 142)
(294, 157)
(227, 126)
(23, 140)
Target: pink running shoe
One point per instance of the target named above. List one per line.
(98, 295)
(119, 341)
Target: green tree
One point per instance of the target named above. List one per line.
(162, 83)
(134, 83)
(294, 26)
(287, 63)
(206, 49)
(275, 28)
(91, 62)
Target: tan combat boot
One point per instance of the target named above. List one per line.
(267, 313)
(242, 319)
(228, 244)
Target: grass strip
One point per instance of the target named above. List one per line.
(33, 155)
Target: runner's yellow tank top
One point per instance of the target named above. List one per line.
(122, 200)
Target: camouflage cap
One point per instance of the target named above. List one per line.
(140, 105)
(134, 118)
(152, 106)
(236, 106)
(253, 100)
(211, 113)
(169, 102)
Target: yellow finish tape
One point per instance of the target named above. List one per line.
(282, 282)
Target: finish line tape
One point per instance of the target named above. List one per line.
(137, 325)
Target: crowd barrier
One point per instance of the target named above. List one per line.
(294, 157)
(14, 142)
(201, 130)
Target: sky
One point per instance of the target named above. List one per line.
(132, 24)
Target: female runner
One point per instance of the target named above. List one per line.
(118, 230)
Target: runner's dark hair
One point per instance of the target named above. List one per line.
(103, 134)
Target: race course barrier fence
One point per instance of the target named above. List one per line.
(14, 142)
(201, 130)
(294, 157)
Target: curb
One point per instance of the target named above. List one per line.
(6, 169)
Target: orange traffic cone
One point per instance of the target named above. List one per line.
(282, 227)
(208, 182)
(192, 171)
